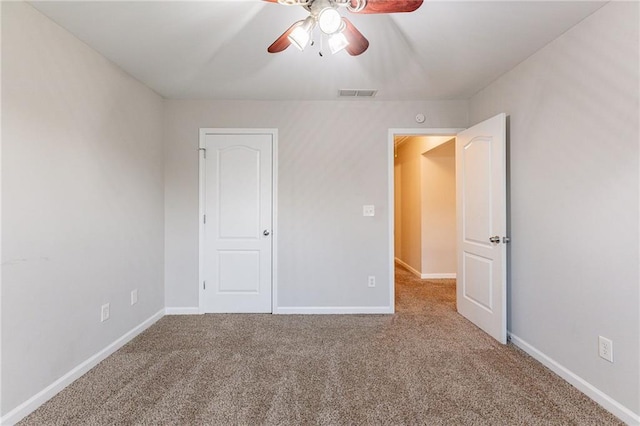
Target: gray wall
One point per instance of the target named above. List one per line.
(333, 158)
(574, 197)
(82, 202)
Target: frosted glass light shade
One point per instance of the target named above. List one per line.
(299, 37)
(301, 34)
(337, 42)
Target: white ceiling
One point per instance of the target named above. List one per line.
(218, 49)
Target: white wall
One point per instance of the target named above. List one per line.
(82, 207)
(573, 110)
(439, 258)
(333, 158)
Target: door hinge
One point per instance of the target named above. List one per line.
(505, 240)
(204, 151)
(204, 285)
(204, 218)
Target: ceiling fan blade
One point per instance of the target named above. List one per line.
(271, 1)
(282, 42)
(357, 42)
(389, 6)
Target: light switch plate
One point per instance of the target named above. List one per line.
(104, 312)
(605, 348)
(368, 210)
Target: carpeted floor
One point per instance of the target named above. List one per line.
(424, 365)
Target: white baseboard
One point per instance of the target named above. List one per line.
(608, 403)
(409, 267)
(424, 276)
(332, 310)
(30, 405)
(182, 311)
(438, 276)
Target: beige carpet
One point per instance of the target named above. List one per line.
(424, 365)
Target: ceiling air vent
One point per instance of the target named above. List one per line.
(351, 93)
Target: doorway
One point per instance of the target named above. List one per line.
(425, 205)
(400, 135)
(481, 225)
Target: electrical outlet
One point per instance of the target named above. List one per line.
(104, 312)
(605, 348)
(371, 281)
(368, 210)
(134, 297)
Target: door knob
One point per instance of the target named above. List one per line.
(495, 239)
(266, 232)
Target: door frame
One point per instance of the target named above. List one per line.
(393, 132)
(274, 205)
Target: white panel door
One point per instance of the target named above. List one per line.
(237, 223)
(482, 225)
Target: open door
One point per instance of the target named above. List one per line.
(482, 225)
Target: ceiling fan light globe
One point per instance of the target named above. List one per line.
(329, 20)
(299, 37)
(337, 42)
(301, 34)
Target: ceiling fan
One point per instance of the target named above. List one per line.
(342, 34)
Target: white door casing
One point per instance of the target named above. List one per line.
(236, 221)
(392, 134)
(482, 225)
